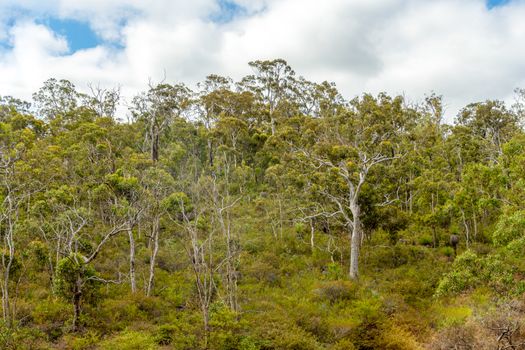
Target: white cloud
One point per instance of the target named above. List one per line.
(456, 48)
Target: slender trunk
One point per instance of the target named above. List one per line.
(355, 244)
(280, 218)
(153, 258)
(231, 274)
(231, 259)
(5, 298)
(9, 242)
(206, 319)
(312, 235)
(155, 146)
(210, 152)
(475, 226)
(467, 230)
(132, 261)
(77, 297)
(272, 120)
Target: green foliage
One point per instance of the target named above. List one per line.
(177, 203)
(426, 240)
(241, 198)
(336, 291)
(130, 340)
(509, 228)
(470, 271)
(447, 251)
(72, 271)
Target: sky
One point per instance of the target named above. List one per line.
(465, 50)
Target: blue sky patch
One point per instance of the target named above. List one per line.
(495, 3)
(78, 34)
(227, 12)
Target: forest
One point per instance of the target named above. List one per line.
(265, 213)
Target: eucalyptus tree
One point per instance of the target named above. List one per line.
(103, 101)
(346, 148)
(15, 191)
(158, 184)
(197, 233)
(10, 105)
(271, 83)
(157, 108)
(210, 104)
(126, 201)
(492, 124)
(56, 99)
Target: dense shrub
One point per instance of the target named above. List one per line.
(509, 228)
(335, 291)
(130, 340)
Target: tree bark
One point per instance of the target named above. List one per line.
(153, 258)
(132, 261)
(355, 244)
(312, 235)
(155, 147)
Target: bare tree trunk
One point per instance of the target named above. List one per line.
(10, 245)
(155, 146)
(355, 244)
(231, 270)
(210, 152)
(206, 321)
(153, 257)
(312, 235)
(475, 226)
(280, 218)
(467, 230)
(132, 278)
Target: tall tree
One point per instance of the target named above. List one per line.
(158, 108)
(349, 145)
(271, 83)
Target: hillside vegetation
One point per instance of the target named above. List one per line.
(269, 213)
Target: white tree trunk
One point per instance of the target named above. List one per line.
(153, 258)
(355, 244)
(132, 278)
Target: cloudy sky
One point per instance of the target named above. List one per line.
(467, 50)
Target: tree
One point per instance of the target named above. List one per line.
(157, 108)
(76, 281)
(14, 193)
(103, 102)
(57, 98)
(271, 84)
(490, 122)
(197, 236)
(158, 185)
(126, 203)
(348, 147)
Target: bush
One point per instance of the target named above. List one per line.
(425, 240)
(396, 338)
(84, 342)
(165, 334)
(509, 228)
(50, 316)
(447, 251)
(333, 271)
(335, 291)
(317, 325)
(117, 314)
(470, 271)
(180, 332)
(395, 256)
(130, 340)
